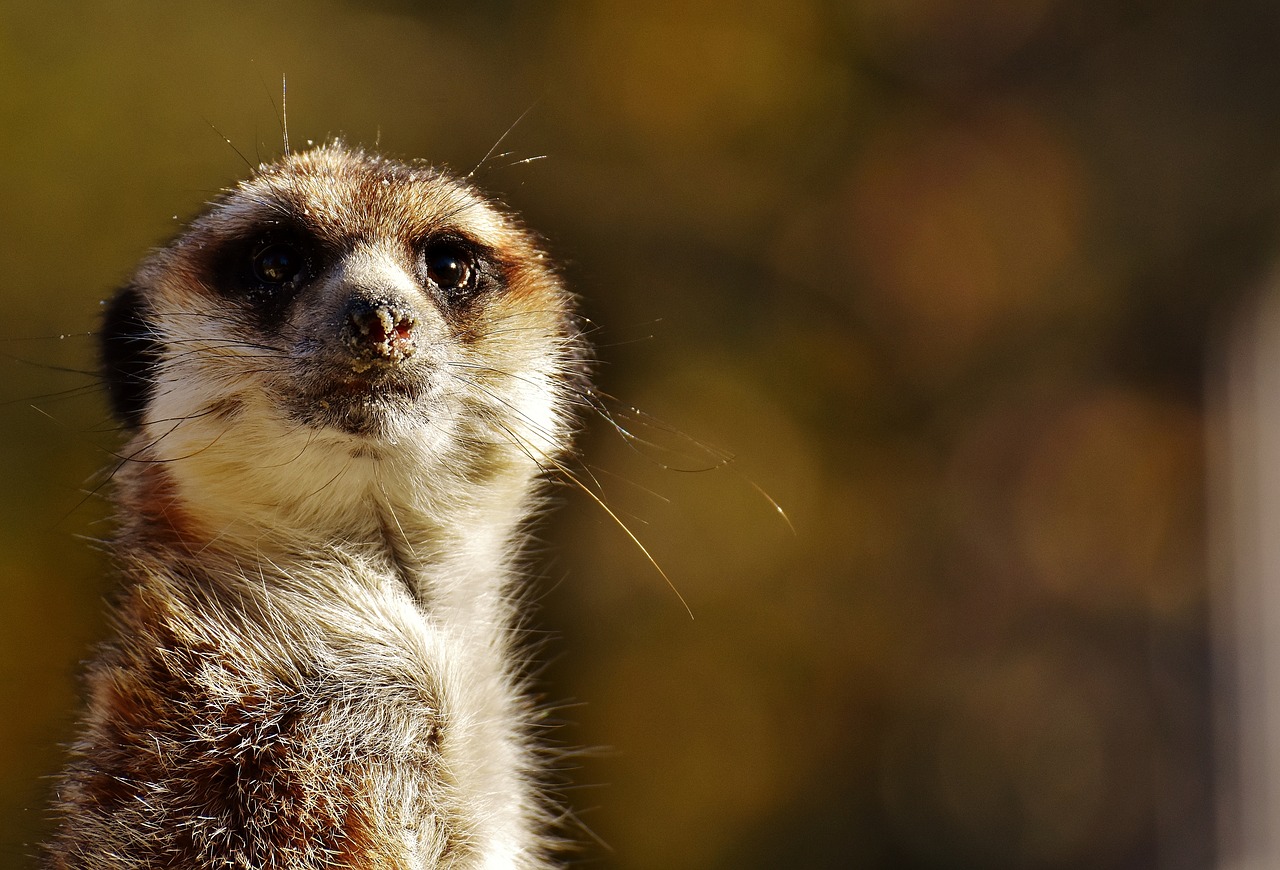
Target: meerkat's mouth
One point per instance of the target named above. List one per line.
(366, 403)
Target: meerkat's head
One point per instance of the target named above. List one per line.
(339, 307)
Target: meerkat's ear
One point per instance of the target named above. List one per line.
(129, 352)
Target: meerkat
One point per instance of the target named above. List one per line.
(343, 385)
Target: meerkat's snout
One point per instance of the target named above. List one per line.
(379, 330)
(382, 311)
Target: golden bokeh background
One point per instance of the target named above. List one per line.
(941, 276)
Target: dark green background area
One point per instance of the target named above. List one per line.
(941, 276)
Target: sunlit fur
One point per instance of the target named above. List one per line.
(312, 658)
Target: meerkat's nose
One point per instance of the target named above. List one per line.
(379, 330)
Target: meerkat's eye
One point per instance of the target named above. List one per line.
(278, 263)
(449, 266)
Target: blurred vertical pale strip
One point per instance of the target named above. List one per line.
(1246, 468)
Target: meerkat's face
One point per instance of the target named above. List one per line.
(342, 296)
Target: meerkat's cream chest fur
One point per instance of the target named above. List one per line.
(343, 384)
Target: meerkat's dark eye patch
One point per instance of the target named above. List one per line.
(449, 265)
(457, 269)
(267, 269)
(279, 263)
(270, 266)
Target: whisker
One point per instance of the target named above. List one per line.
(501, 138)
(577, 481)
(527, 160)
(57, 396)
(49, 367)
(230, 144)
(626, 529)
(62, 336)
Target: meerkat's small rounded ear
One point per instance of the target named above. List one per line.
(129, 353)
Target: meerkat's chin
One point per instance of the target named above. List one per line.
(367, 419)
(367, 414)
(376, 402)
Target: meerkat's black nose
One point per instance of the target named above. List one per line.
(379, 330)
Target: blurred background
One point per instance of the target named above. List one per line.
(953, 284)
